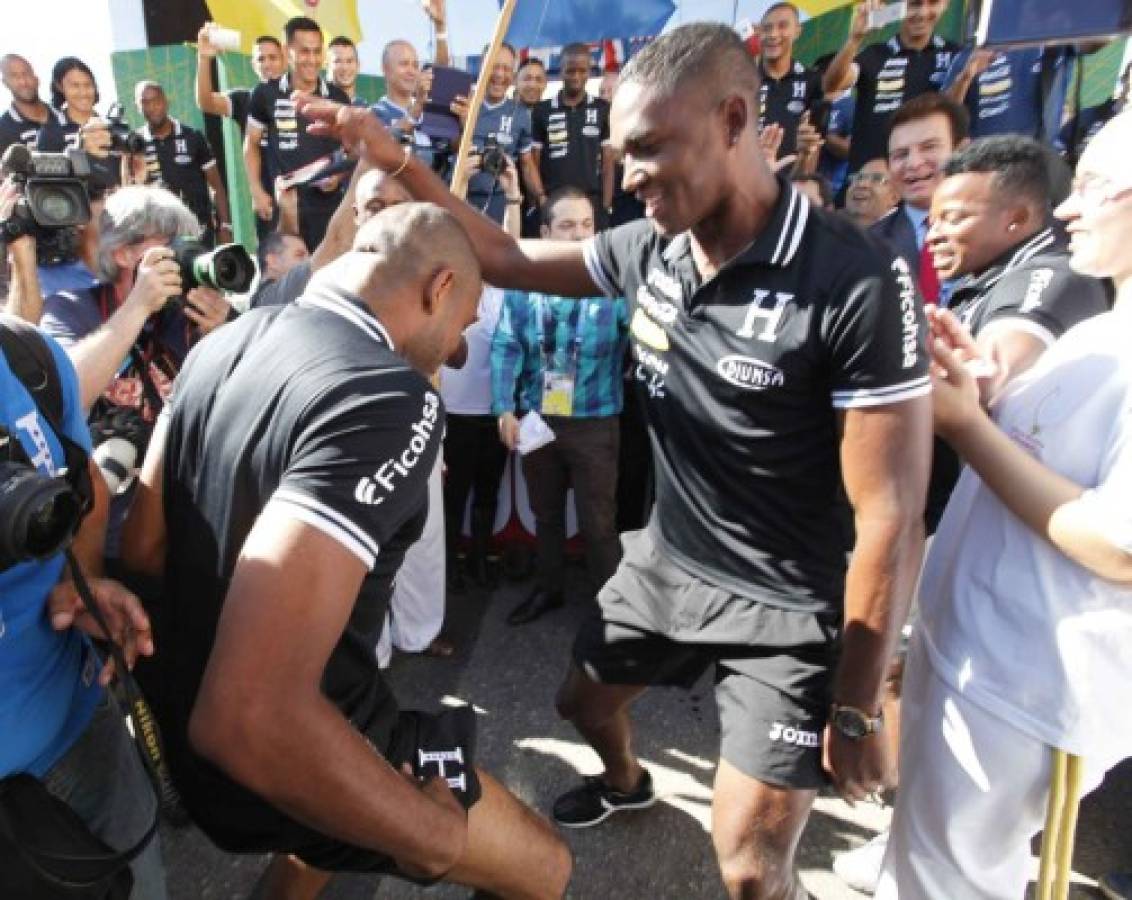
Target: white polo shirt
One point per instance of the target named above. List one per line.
(1009, 620)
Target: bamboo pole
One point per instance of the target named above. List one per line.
(460, 175)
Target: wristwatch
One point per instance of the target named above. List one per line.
(855, 724)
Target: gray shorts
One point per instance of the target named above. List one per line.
(656, 624)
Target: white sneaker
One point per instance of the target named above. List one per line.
(860, 868)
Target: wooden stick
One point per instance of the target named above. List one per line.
(1047, 872)
(460, 175)
(1067, 832)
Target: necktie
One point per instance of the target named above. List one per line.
(929, 281)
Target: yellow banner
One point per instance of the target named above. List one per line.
(814, 8)
(253, 18)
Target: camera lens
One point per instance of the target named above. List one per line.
(38, 515)
(56, 207)
(50, 525)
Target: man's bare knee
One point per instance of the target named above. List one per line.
(583, 701)
(757, 870)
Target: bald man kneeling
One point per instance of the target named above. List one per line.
(279, 497)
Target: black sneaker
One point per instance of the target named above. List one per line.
(595, 801)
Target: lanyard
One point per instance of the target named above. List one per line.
(547, 331)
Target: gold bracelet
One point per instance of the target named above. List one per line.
(405, 163)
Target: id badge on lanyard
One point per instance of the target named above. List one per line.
(558, 380)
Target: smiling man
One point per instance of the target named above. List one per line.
(789, 89)
(779, 359)
(912, 62)
(272, 114)
(923, 133)
(870, 194)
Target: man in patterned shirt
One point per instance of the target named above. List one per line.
(565, 359)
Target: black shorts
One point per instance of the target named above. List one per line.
(240, 821)
(658, 625)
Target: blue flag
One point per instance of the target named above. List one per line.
(552, 23)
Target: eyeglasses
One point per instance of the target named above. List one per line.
(1098, 189)
(868, 178)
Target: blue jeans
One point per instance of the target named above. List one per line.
(102, 779)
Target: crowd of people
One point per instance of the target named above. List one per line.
(778, 327)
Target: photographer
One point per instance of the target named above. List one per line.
(75, 742)
(127, 341)
(24, 300)
(502, 132)
(74, 94)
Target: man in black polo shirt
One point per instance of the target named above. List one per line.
(23, 119)
(268, 63)
(272, 112)
(991, 232)
(780, 359)
(912, 62)
(279, 556)
(571, 138)
(788, 89)
(178, 158)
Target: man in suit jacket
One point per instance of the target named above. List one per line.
(923, 133)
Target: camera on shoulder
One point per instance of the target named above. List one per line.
(54, 191)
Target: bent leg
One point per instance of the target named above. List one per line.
(600, 712)
(755, 830)
(512, 852)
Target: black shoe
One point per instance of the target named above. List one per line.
(537, 604)
(595, 801)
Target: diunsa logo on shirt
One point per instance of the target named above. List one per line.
(374, 489)
(749, 374)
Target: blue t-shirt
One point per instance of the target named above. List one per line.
(1007, 97)
(389, 112)
(509, 122)
(841, 124)
(48, 679)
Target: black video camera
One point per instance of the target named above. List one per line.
(123, 139)
(493, 160)
(54, 189)
(228, 268)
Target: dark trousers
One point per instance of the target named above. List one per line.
(475, 458)
(583, 454)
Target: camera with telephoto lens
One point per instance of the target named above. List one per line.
(38, 514)
(123, 138)
(54, 192)
(493, 160)
(229, 268)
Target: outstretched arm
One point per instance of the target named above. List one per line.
(553, 266)
(1078, 523)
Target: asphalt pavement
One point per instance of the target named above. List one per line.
(510, 675)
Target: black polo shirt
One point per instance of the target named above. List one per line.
(16, 129)
(890, 74)
(570, 139)
(783, 100)
(1030, 288)
(742, 378)
(307, 412)
(178, 162)
(240, 101)
(272, 109)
